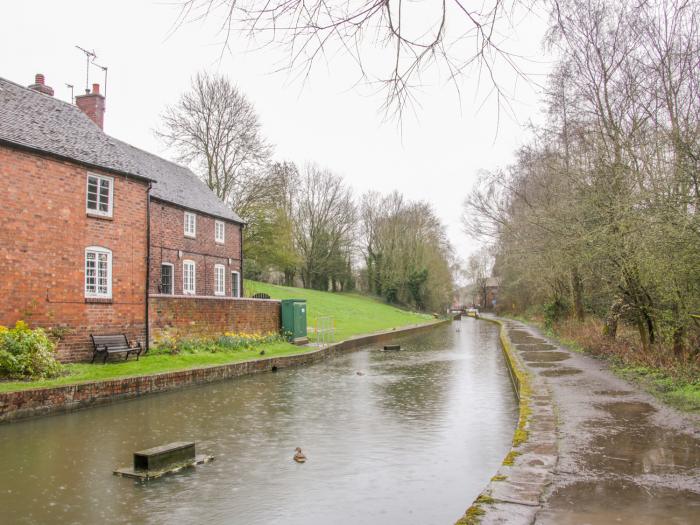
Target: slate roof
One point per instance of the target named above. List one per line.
(43, 123)
(177, 184)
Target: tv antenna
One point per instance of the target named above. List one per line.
(104, 69)
(72, 98)
(89, 55)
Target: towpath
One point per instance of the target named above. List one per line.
(623, 457)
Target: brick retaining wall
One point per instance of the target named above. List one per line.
(29, 403)
(207, 316)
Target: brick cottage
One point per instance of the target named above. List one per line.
(97, 236)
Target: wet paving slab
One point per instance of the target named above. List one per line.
(622, 457)
(545, 356)
(561, 371)
(530, 347)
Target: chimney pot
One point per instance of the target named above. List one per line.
(40, 85)
(96, 89)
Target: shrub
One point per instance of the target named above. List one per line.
(230, 341)
(27, 353)
(554, 312)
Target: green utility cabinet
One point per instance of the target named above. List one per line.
(294, 320)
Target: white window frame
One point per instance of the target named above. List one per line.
(217, 225)
(186, 291)
(219, 286)
(237, 281)
(190, 232)
(96, 294)
(110, 204)
(172, 276)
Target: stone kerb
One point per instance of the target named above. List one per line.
(515, 493)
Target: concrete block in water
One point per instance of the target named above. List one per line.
(157, 461)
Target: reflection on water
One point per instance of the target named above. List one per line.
(413, 440)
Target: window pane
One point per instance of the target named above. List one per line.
(166, 279)
(92, 193)
(97, 273)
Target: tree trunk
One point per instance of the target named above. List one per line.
(577, 292)
(612, 319)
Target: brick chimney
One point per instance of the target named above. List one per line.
(93, 105)
(39, 85)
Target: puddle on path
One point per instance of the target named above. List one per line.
(558, 372)
(545, 356)
(612, 393)
(639, 446)
(632, 410)
(620, 501)
(524, 339)
(541, 365)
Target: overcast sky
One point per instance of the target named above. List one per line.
(434, 155)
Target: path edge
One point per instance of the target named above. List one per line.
(515, 493)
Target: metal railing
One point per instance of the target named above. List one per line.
(324, 329)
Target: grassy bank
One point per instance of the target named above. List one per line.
(676, 381)
(353, 314)
(153, 363)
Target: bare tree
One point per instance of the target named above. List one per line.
(406, 37)
(324, 219)
(478, 273)
(215, 129)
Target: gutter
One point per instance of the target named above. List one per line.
(240, 292)
(148, 260)
(57, 156)
(199, 211)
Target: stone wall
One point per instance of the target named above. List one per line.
(211, 316)
(44, 231)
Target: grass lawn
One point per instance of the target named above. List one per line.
(354, 314)
(153, 363)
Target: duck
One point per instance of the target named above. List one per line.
(360, 373)
(299, 456)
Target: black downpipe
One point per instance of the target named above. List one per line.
(240, 237)
(148, 260)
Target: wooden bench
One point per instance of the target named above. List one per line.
(114, 344)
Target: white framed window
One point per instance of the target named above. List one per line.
(100, 193)
(98, 272)
(219, 231)
(167, 282)
(189, 276)
(190, 224)
(219, 279)
(235, 284)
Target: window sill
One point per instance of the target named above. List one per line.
(98, 216)
(219, 243)
(98, 300)
(187, 236)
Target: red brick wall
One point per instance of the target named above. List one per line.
(168, 237)
(44, 231)
(211, 316)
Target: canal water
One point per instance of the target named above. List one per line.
(411, 439)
